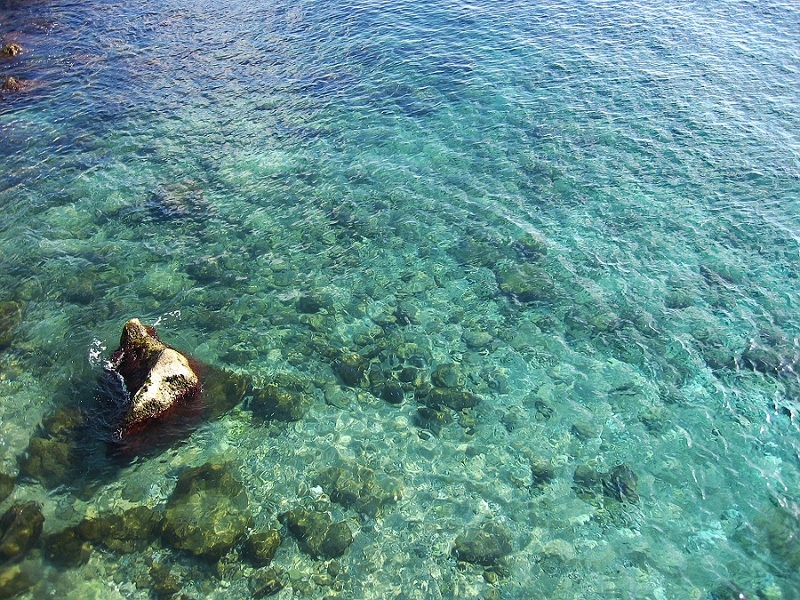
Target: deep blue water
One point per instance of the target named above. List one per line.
(592, 209)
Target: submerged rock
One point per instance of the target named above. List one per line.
(157, 377)
(266, 582)
(130, 531)
(456, 399)
(6, 485)
(448, 375)
(620, 483)
(207, 512)
(392, 393)
(275, 402)
(67, 548)
(432, 419)
(222, 390)
(21, 526)
(317, 534)
(15, 579)
(526, 282)
(351, 368)
(165, 583)
(260, 547)
(10, 318)
(52, 452)
(485, 545)
(359, 488)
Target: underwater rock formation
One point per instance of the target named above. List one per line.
(485, 545)
(157, 377)
(15, 579)
(52, 451)
(20, 526)
(620, 483)
(526, 282)
(351, 368)
(265, 582)
(130, 531)
(6, 486)
(275, 402)
(359, 488)
(260, 547)
(317, 534)
(207, 512)
(67, 548)
(10, 318)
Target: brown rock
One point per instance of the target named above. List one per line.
(157, 377)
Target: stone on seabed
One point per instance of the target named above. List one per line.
(484, 545)
(21, 526)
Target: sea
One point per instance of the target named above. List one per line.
(529, 271)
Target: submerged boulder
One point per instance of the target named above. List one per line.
(21, 526)
(52, 451)
(317, 534)
(485, 545)
(207, 514)
(6, 485)
(157, 378)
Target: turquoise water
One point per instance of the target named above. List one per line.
(591, 209)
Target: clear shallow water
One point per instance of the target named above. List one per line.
(208, 165)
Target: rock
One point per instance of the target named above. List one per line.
(476, 340)
(157, 377)
(21, 526)
(359, 488)
(282, 403)
(336, 541)
(47, 460)
(392, 393)
(265, 582)
(448, 375)
(6, 485)
(260, 547)
(526, 282)
(620, 484)
(67, 548)
(317, 534)
(11, 50)
(542, 472)
(778, 522)
(485, 545)
(133, 530)
(432, 419)
(10, 315)
(165, 583)
(12, 84)
(15, 579)
(530, 246)
(351, 368)
(222, 390)
(586, 478)
(207, 512)
(455, 399)
(309, 304)
(585, 430)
